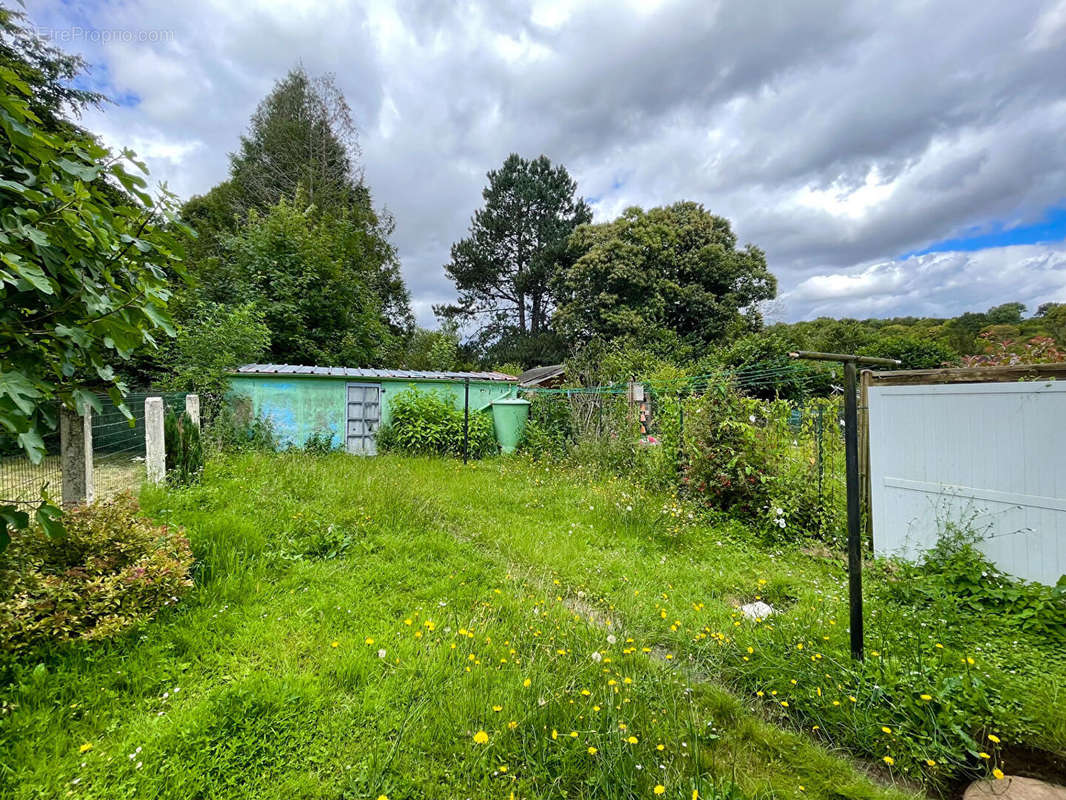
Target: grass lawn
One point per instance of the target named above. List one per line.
(416, 628)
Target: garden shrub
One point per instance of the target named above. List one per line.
(549, 430)
(235, 430)
(112, 570)
(320, 442)
(957, 577)
(184, 453)
(426, 423)
(750, 458)
(730, 466)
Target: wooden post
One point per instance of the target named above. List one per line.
(76, 456)
(155, 457)
(192, 408)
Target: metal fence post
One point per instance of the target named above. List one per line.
(154, 449)
(192, 408)
(76, 456)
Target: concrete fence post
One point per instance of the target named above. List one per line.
(192, 408)
(154, 452)
(76, 456)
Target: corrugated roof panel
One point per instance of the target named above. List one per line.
(354, 372)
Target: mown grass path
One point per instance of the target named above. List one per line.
(405, 628)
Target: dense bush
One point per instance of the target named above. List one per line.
(112, 570)
(426, 423)
(730, 468)
(184, 453)
(549, 430)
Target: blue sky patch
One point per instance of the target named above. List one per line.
(1052, 228)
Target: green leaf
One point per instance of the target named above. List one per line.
(50, 518)
(33, 444)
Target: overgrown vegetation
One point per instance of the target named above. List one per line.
(428, 423)
(322, 633)
(182, 448)
(111, 571)
(407, 656)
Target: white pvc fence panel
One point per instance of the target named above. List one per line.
(990, 453)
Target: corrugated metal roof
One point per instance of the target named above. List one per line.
(532, 377)
(352, 372)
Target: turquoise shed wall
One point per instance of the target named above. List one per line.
(298, 406)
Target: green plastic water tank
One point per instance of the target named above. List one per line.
(509, 415)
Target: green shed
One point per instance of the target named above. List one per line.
(350, 404)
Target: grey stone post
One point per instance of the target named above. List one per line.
(76, 456)
(192, 408)
(154, 453)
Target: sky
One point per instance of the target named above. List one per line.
(902, 158)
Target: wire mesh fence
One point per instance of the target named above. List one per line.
(661, 420)
(118, 454)
(119, 444)
(22, 481)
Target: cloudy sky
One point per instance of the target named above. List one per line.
(890, 158)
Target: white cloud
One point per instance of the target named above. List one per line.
(835, 135)
(936, 284)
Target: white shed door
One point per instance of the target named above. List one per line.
(364, 415)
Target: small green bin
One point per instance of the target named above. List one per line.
(509, 415)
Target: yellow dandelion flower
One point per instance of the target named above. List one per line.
(573, 734)
(632, 740)
(497, 709)
(502, 768)
(970, 661)
(481, 737)
(997, 773)
(334, 644)
(369, 640)
(993, 738)
(886, 729)
(85, 748)
(983, 755)
(512, 724)
(659, 789)
(784, 703)
(695, 795)
(383, 797)
(889, 760)
(660, 747)
(527, 682)
(926, 697)
(555, 733)
(931, 762)
(592, 751)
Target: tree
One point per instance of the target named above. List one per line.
(300, 148)
(1006, 314)
(316, 282)
(213, 340)
(517, 243)
(301, 137)
(83, 271)
(49, 73)
(433, 350)
(675, 268)
(911, 351)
